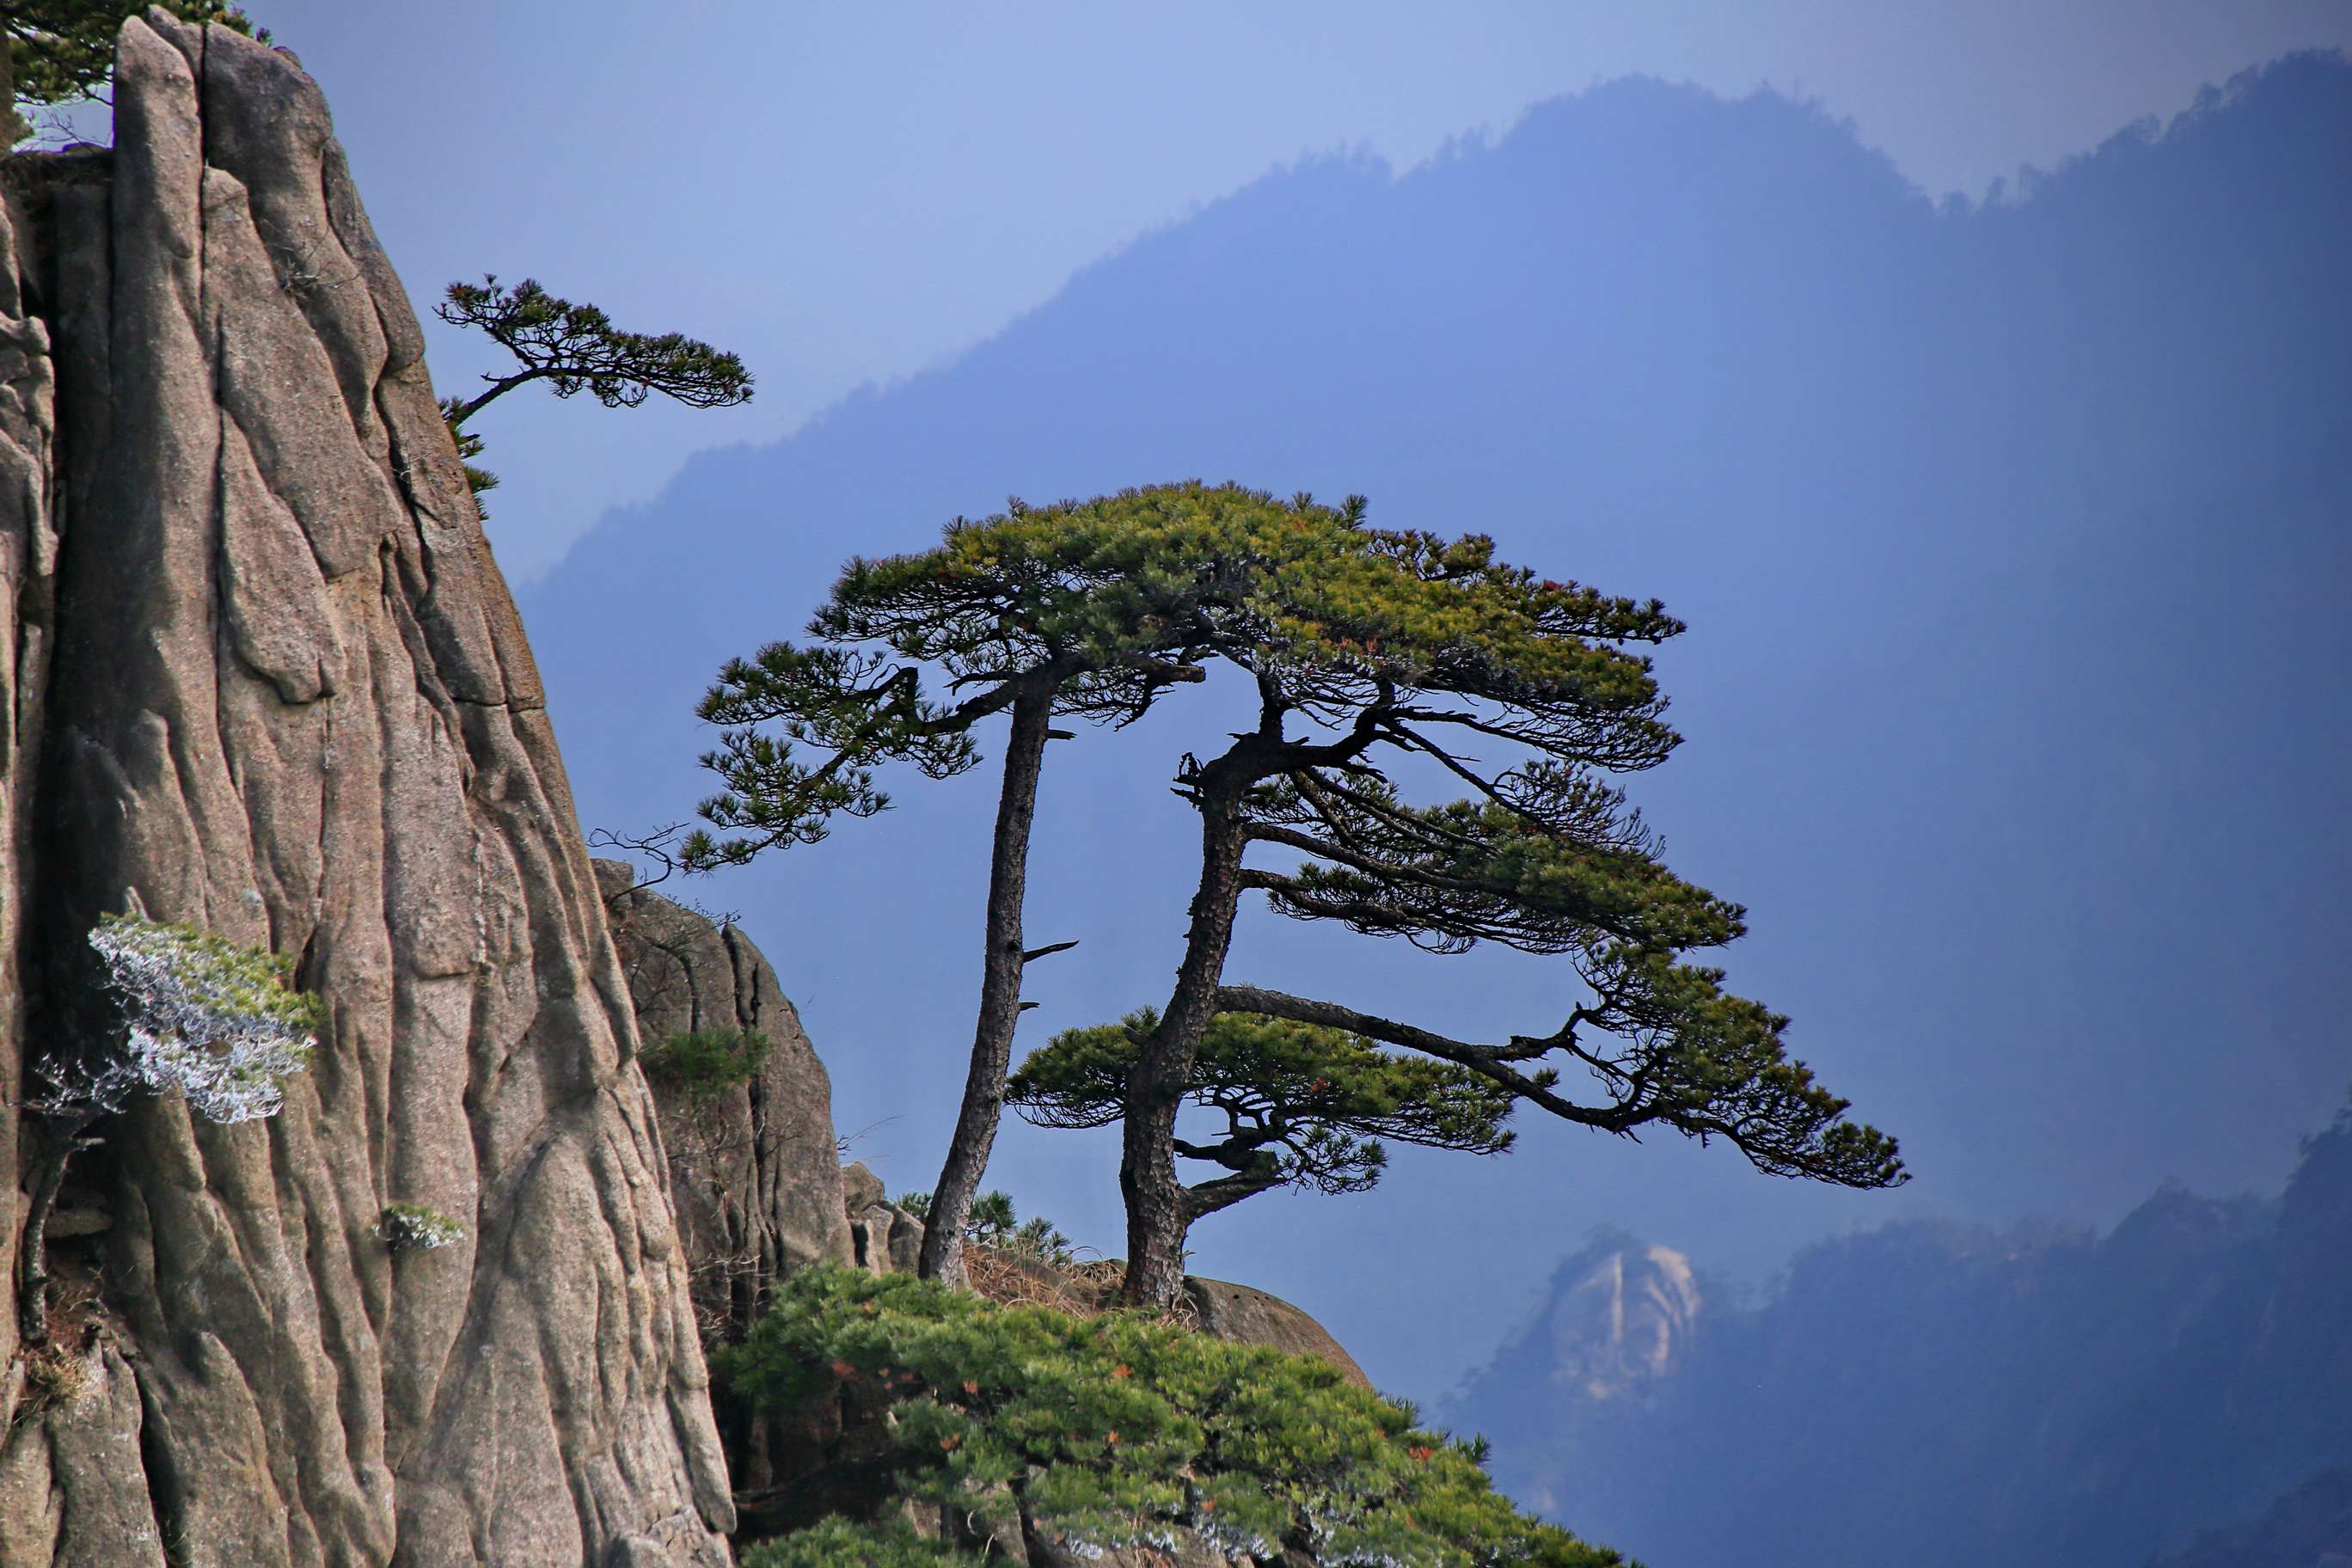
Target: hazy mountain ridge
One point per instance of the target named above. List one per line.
(1935, 1393)
(2009, 537)
(2311, 1527)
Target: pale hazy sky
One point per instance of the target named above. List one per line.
(846, 194)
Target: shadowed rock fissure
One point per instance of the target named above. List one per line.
(258, 668)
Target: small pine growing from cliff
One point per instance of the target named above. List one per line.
(704, 1064)
(576, 348)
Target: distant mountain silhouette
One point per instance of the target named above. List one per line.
(2311, 1527)
(2013, 540)
(1937, 1395)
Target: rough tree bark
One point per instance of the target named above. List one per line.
(1156, 1217)
(1000, 991)
(62, 1138)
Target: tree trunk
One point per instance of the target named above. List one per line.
(1156, 1209)
(61, 1137)
(1000, 991)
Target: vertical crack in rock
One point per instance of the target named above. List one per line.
(752, 1162)
(286, 697)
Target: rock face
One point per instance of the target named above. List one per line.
(883, 1237)
(754, 1169)
(260, 669)
(1244, 1315)
(1621, 1320)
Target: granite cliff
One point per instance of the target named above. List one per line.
(258, 669)
(260, 675)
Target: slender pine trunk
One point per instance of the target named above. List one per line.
(62, 1136)
(1156, 1209)
(1000, 991)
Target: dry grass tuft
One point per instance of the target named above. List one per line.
(60, 1374)
(57, 1377)
(1084, 1290)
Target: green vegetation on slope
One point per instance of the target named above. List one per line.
(707, 1063)
(1097, 1433)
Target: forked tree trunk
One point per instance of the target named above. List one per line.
(1156, 1207)
(1000, 991)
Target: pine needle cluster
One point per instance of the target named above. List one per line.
(1092, 1434)
(1302, 1105)
(706, 1063)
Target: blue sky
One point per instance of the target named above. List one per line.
(849, 193)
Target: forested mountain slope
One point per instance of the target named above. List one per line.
(1936, 1393)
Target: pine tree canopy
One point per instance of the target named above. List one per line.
(1375, 656)
(1304, 1105)
(1113, 599)
(1102, 605)
(1084, 1436)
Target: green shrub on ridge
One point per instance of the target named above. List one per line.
(1111, 1431)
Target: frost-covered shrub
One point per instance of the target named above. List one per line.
(413, 1227)
(206, 1019)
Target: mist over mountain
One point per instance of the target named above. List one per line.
(2012, 540)
(1938, 1394)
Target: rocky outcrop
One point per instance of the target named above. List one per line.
(1247, 1316)
(883, 1237)
(755, 1172)
(1622, 1320)
(259, 670)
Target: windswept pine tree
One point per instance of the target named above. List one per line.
(576, 348)
(1380, 647)
(1363, 647)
